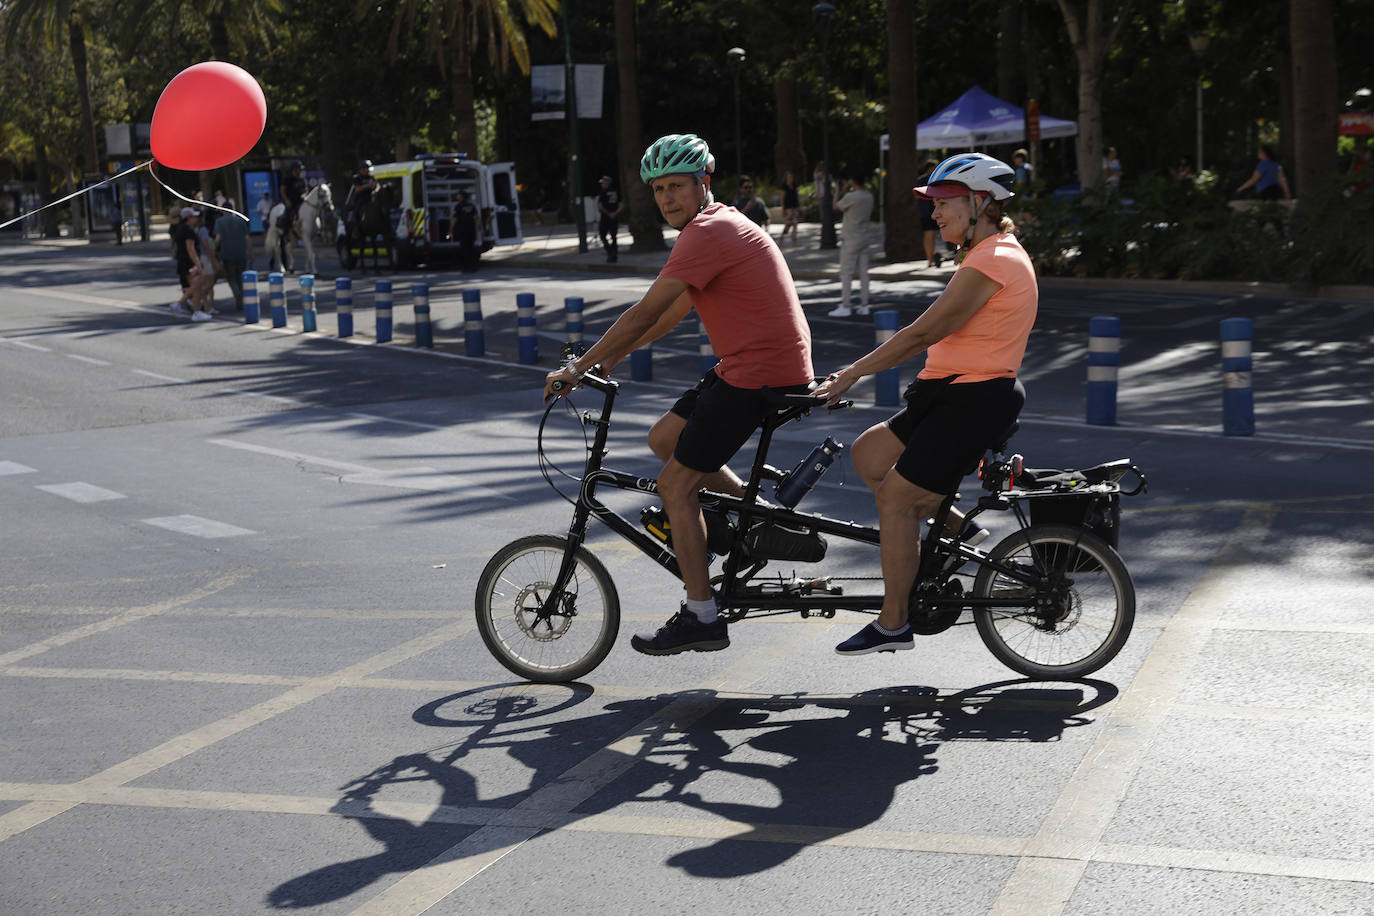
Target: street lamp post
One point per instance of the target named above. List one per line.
(1198, 42)
(736, 59)
(825, 16)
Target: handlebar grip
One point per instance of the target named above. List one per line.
(558, 386)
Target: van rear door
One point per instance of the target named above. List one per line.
(505, 204)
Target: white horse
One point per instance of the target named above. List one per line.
(316, 203)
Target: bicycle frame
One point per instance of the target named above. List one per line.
(805, 595)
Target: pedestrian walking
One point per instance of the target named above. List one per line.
(235, 252)
(791, 208)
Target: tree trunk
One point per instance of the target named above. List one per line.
(76, 35)
(902, 230)
(460, 84)
(1009, 85)
(1091, 34)
(788, 153)
(1313, 42)
(42, 173)
(643, 214)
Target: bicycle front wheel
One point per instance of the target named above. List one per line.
(1082, 615)
(564, 645)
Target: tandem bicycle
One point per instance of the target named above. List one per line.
(1052, 600)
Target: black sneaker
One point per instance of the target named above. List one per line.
(682, 633)
(869, 639)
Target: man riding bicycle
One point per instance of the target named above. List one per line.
(974, 337)
(731, 272)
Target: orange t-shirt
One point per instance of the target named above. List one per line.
(993, 341)
(741, 288)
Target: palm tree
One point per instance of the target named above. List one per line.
(46, 20)
(454, 31)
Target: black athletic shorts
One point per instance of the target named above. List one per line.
(947, 427)
(184, 275)
(720, 419)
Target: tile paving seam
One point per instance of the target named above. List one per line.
(218, 584)
(1211, 860)
(1093, 794)
(184, 745)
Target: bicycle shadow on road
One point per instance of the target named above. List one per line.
(789, 771)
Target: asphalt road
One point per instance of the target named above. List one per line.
(241, 673)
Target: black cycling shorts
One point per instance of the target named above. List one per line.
(720, 419)
(947, 427)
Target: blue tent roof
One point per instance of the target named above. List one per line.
(977, 118)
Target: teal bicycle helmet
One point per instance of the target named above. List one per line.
(676, 154)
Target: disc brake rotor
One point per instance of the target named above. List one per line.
(527, 605)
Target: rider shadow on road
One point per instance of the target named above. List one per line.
(789, 771)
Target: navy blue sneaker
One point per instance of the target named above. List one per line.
(869, 639)
(683, 633)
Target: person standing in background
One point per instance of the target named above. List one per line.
(609, 206)
(791, 208)
(857, 207)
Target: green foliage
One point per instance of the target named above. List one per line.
(1184, 231)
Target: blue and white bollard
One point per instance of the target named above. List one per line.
(276, 298)
(474, 338)
(704, 351)
(424, 330)
(343, 305)
(1104, 361)
(1237, 398)
(524, 320)
(886, 384)
(381, 304)
(307, 303)
(642, 364)
(250, 297)
(572, 308)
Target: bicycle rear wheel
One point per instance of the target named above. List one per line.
(1080, 619)
(568, 643)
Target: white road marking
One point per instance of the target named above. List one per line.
(13, 467)
(87, 359)
(159, 376)
(67, 296)
(25, 344)
(80, 492)
(408, 478)
(196, 526)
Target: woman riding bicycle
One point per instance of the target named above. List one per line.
(966, 396)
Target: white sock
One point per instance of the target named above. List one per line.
(886, 632)
(704, 610)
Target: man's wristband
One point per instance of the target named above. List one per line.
(571, 366)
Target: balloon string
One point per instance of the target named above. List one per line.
(198, 203)
(149, 166)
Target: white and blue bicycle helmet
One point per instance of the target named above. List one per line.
(971, 174)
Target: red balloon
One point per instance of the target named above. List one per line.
(209, 115)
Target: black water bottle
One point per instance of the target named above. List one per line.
(804, 476)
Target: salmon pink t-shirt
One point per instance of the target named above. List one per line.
(992, 343)
(741, 288)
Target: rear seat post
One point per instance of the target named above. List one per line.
(1104, 359)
